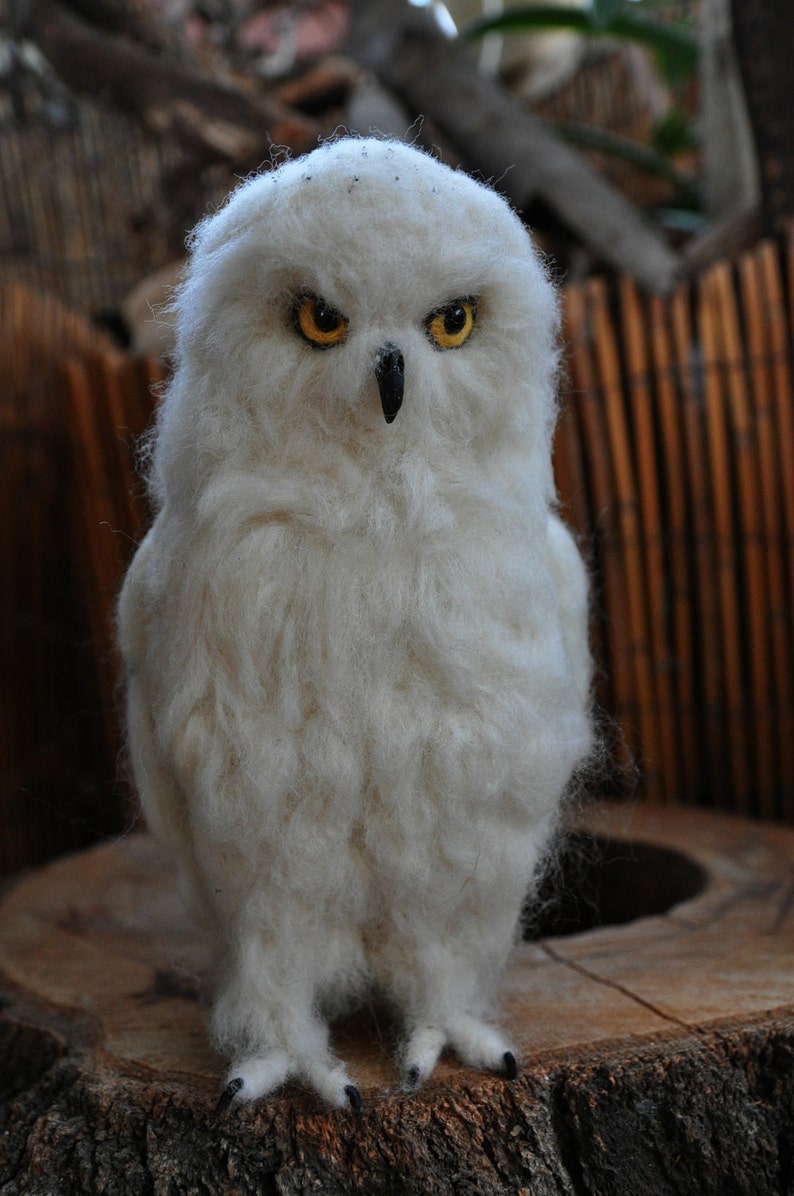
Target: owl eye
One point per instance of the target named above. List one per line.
(318, 323)
(450, 326)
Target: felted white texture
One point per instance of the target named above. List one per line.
(357, 665)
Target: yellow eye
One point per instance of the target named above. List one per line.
(318, 323)
(451, 326)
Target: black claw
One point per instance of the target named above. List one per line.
(511, 1067)
(228, 1095)
(412, 1078)
(354, 1097)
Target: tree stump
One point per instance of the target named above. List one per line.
(657, 1050)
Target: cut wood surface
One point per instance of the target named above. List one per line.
(657, 1051)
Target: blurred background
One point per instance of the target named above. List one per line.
(649, 144)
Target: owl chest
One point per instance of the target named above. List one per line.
(291, 621)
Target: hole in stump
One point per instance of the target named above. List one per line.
(603, 882)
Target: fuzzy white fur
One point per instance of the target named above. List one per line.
(357, 654)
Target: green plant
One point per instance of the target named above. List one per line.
(675, 50)
(672, 43)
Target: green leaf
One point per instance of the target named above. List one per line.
(642, 156)
(604, 12)
(675, 48)
(681, 220)
(673, 133)
(527, 18)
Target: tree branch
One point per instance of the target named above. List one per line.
(436, 77)
(165, 95)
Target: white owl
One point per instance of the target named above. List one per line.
(356, 635)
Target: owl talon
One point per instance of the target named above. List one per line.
(354, 1098)
(228, 1095)
(413, 1078)
(510, 1066)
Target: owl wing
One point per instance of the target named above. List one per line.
(163, 804)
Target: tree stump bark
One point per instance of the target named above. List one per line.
(657, 1051)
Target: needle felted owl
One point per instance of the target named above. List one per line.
(355, 636)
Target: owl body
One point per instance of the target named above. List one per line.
(355, 635)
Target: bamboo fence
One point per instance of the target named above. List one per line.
(675, 464)
(49, 798)
(675, 457)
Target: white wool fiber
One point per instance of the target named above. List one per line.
(358, 673)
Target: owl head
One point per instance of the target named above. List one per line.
(362, 302)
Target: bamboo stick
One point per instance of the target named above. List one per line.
(569, 470)
(130, 406)
(44, 808)
(749, 537)
(625, 499)
(723, 490)
(777, 698)
(571, 475)
(782, 338)
(12, 582)
(678, 533)
(98, 508)
(110, 404)
(617, 684)
(777, 477)
(640, 403)
(705, 599)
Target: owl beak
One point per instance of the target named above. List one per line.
(390, 373)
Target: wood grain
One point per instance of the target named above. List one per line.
(661, 1046)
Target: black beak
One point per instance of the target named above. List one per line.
(390, 372)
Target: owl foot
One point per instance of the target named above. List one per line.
(354, 1098)
(260, 1075)
(481, 1046)
(510, 1069)
(476, 1043)
(252, 1078)
(421, 1055)
(228, 1095)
